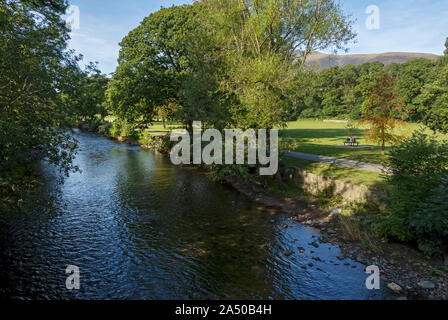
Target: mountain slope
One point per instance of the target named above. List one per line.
(325, 61)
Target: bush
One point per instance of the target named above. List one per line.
(123, 130)
(310, 113)
(115, 129)
(160, 144)
(431, 222)
(416, 207)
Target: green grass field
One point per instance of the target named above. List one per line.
(318, 137)
(321, 138)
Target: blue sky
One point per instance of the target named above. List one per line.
(405, 25)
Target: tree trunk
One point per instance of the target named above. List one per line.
(163, 122)
(383, 148)
(190, 127)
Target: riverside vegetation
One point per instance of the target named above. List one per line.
(229, 64)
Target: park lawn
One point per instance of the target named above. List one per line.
(321, 138)
(158, 126)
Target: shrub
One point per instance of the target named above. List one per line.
(415, 208)
(431, 222)
(310, 113)
(160, 144)
(115, 129)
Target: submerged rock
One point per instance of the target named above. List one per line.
(314, 244)
(287, 253)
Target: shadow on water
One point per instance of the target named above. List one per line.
(140, 228)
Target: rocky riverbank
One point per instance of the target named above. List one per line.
(405, 271)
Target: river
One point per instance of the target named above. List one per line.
(140, 228)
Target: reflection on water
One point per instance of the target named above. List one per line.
(140, 228)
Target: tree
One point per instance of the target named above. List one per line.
(35, 73)
(380, 111)
(265, 44)
(434, 100)
(168, 111)
(153, 60)
(418, 189)
(434, 96)
(413, 76)
(87, 98)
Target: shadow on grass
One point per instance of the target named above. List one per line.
(325, 142)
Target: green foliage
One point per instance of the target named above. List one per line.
(115, 129)
(226, 63)
(434, 99)
(37, 74)
(310, 113)
(412, 77)
(431, 222)
(380, 111)
(417, 204)
(160, 144)
(153, 59)
(124, 130)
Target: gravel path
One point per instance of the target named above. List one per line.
(339, 162)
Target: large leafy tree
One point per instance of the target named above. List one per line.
(266, 43)
(226, 62)
(88, 96)
(35, 68)
(153, 59)
(412, 77)
(434, 97)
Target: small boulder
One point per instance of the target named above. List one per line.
(394, 287)
(426, 285)
(335, 212)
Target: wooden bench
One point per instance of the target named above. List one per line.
(351, 143)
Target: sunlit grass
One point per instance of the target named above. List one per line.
(322, 138)
(354, 176)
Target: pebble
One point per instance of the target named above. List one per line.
(287, 253)
(426, 285)
(394, 287)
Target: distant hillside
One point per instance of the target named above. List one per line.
(325, 61)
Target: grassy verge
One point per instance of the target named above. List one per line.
(322, 138)
(354, 176)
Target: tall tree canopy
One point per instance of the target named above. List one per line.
(153, 59)
(434, 96)
(226, 62)
(35, 69)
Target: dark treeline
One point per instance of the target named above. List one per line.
(340, 92)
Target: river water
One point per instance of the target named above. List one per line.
(140, 228)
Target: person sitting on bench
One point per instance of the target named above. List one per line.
(351, 141)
